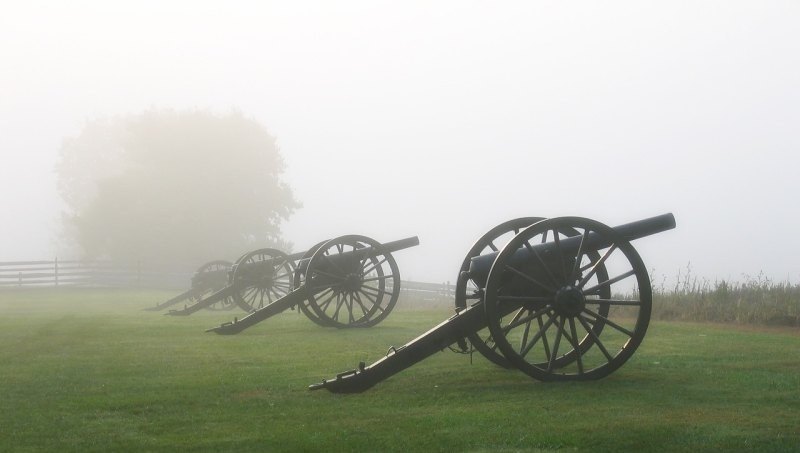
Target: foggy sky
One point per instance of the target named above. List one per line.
(443, 119)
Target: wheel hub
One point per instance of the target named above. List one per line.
(570, 301)
(266, 282)
(267, 278)
(352, 282)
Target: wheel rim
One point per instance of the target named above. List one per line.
(210, 278)
(261, 277)
(555, 318)
(300, 280)
(469, 291)
(352, 292)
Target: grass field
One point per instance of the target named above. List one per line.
(88, 370)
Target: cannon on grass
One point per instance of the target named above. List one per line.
(349, 281)
(256, 279)
(566, 298)
(207, 279)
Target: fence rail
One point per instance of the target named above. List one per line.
(71, 273)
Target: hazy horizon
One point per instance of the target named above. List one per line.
(442, 119)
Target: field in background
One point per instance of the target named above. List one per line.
(88, 370)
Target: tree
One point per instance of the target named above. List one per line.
(173, 188)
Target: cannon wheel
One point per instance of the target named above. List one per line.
(261, 277)
(364, 291)
(468, 292)
(466, 289)
(571, 304)
(300, 279)
(210, 278)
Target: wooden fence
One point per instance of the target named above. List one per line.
(61, 273)
(429, 291)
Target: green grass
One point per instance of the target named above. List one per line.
(87, 370)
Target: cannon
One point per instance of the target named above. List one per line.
(565, 299)
(207, 279)
(349, 281)
(256, 279)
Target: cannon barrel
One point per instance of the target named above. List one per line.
(209, 277)
(388, 247)
(474, 318)
(336, 261)
(254, 267)
(480, 265)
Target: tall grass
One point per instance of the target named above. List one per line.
(755, 300)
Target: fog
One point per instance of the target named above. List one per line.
(442, 119)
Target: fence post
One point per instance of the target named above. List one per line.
(19, 279)
(55, 270)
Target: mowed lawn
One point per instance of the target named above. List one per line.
(88, 370)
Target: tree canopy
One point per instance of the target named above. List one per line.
(173, 187)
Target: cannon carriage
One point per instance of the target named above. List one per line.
(564, 299)
(256, 279)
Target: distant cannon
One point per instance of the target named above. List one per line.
(566, 298)
(207, 279)
(256, 279)
(349, 281)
